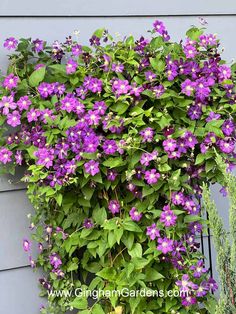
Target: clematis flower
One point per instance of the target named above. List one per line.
(114, 206)
(5, 155)
(10, 43)
(165, 245)
(10, 81)
(55, 260)
(92, 167)
(71, 66)
(26, 245)
(153, 232)
(152, 176)
(134, 214)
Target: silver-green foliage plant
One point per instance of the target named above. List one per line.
(224, 240)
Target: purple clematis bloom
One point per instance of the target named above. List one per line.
(55, 260)
(153, 232)
(10, 81)
(38, 45)
(71, 66)
(134, 214)
(92, 167)
(152, 176)
(26, 245)
(165, 245)
(6, 104)
(10, 43)
(5, 155)
(114, 206)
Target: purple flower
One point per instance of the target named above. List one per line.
(228, 127)
(6, 104)
(24, 103)
(88, 223)
(76, 50)
(177, 198)
(168, 217)
(134, 214)
(33, 115)
(114, 206)
(38, 45)
(224, 72)
(109, 147)
(120, 87)
(189, 139)
(184, 284)
(150, 76)
(213, 116)
(189, 300)
(158, 90)
(153, 232)
(68, 103)
(45, 157)
(118, 68)
(94, 41)
(224, 191)
(92, 117)
(71, 66)
(45, 89)
(147, 157)
(195, 112)
(195, 227)
(226, 145)
(100, 107)
(55, 260)
(202, 89)
(26, 245)
(187, 87)
(5, 155)
(169, 145)
(212, 284)
(159, 27)
(13, 119)
(147, 135)
(198, 269)
(152, 176)
(93, 84)
(202, 289)
(111, 175)
(18, 157)
(190, 51)
(10, 81)
(10, 43)
(165, 245)
(92, 167)
(32, 262)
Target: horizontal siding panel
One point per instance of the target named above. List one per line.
(14, 226)
(114, 8)
(9, 182)
(20, 292)
(52, 29)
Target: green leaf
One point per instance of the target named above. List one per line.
(97, 309)
(79, 303)
(107, 273)
(99, 32)
(114, 162)
(152, 275)
(131, 226)
(99, 215)
(136, 251)
(37, 76)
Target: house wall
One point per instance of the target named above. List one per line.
(56, 19)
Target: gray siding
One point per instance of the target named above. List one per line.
(55, 20)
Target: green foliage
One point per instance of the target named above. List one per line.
(224, 241)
